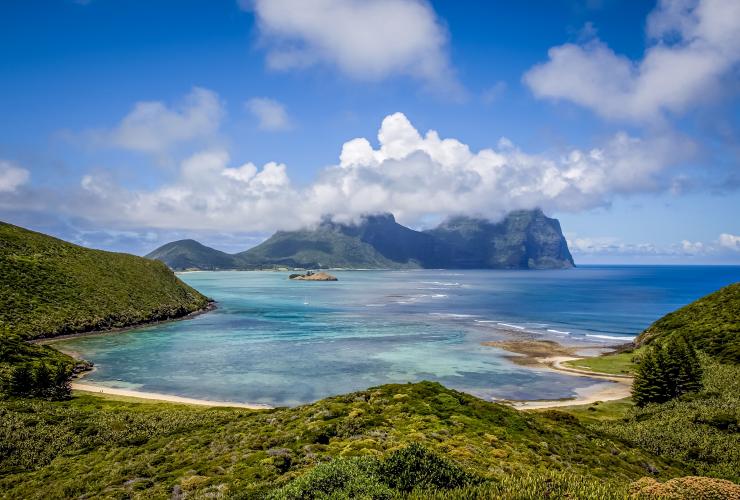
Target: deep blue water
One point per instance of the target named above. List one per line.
(284, 342)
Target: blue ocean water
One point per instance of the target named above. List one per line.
(283, 342)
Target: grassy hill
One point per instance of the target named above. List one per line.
(96, 447)
(712, 323)
(50, 287)
(189, 254)
(324, 247)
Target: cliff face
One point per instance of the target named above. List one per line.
(525, 239)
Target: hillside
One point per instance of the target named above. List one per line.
(522, 240)
(91, 447)
(50, 287)
(712, 323)
(324, 247)
(189, 254)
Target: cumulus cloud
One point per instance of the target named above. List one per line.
(153, 127)
(364, 40)
(208, 194)
(271, 114)
(12, 176)
(412, 175)
(730, 241)
(695, 44)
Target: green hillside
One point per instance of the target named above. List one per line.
(324, 247)
(50, 287)
(189, 254)
(712, 323)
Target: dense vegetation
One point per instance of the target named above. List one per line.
(50, 287)
(712, 323)
(667, 371)
(94, 446)
(33, 370)
(701, 429)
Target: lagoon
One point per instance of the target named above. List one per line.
(281, 342)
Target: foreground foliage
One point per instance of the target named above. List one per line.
(97, 447)
(50, 287)
(702, 430)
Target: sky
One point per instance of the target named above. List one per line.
(126, 125)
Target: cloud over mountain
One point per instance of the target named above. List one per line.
(414, 176)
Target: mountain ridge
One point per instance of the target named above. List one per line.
(524, 239)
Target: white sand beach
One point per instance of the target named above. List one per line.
(99, 389)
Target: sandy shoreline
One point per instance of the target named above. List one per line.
(155, 396)
(549, 355)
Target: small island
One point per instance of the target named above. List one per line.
(311, 276)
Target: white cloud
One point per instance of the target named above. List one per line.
(364, 40)
(12, 176)
(270, 113)
(153, 127)
(611, 246)
(695, 44)
(729, 241)
(412, 175)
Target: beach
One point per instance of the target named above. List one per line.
(99, 389)
(550, 355)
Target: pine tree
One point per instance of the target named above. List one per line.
(21, 381)
(42, 380)
(648, 386)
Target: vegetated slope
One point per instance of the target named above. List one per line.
(324, 247)
(702, 429)
(712, 323)
(189, 254)
(524, 239)
(91, 446)
(50, 287)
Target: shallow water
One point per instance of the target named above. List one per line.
(283, 342)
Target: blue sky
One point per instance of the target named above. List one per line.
(127, 125)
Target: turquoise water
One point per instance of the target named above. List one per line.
(283, 342)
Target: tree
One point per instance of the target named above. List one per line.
(648, 385)
(21, 381)
(667, 371)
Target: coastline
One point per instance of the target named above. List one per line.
(550, 355)
(159, 397)
(212, 306)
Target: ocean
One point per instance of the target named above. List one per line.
(283, 343)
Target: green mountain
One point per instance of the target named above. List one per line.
(712, 323)
(189, 254)
(50, 287)
(523, 240)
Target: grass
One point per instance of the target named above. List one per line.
(622, 363)
(101, 447)
(50, 287)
